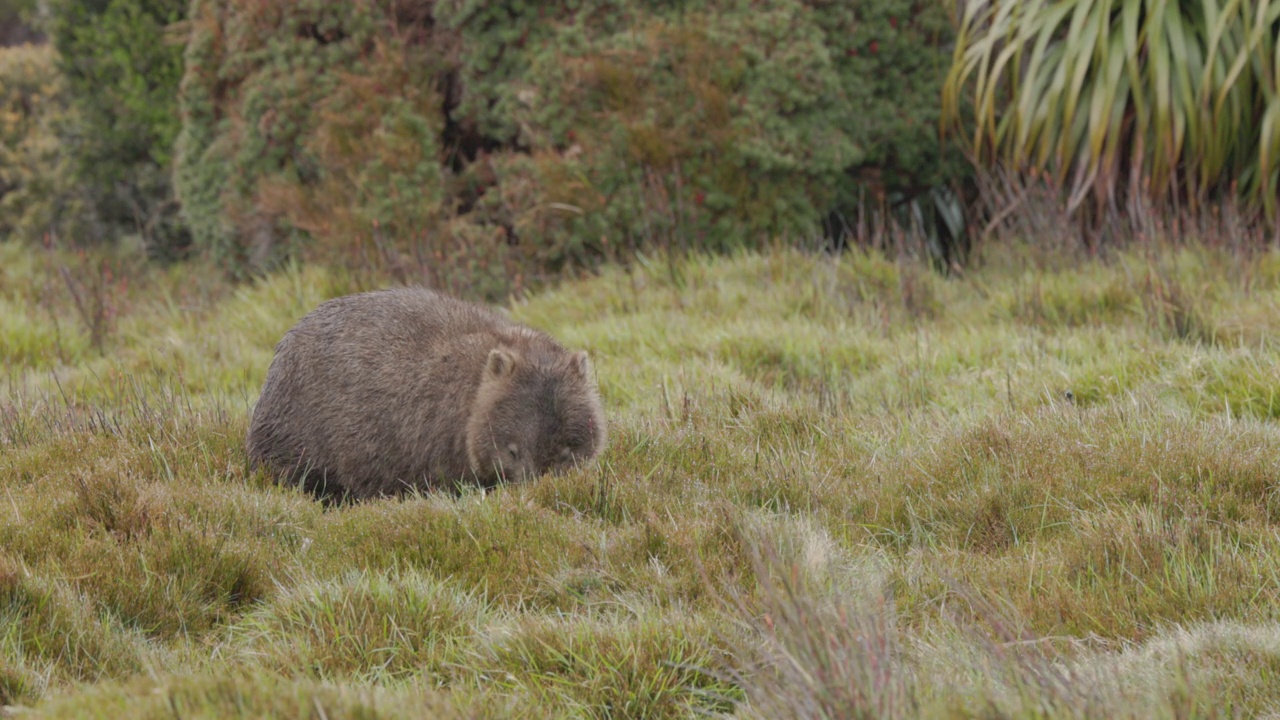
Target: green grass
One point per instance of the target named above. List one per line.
(841, 488)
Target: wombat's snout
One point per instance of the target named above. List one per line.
(517, 472)
(511, 465)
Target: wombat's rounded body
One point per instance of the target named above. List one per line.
(375, 393)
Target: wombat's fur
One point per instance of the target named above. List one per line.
(374, 393)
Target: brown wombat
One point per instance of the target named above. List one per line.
(376, 393)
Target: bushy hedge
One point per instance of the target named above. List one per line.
(122, 68)
(309, 117)
(730, 124)
(39, 199)
(504, 137)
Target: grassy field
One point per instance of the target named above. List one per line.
(834, 488)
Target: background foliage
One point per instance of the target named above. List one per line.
(477, 146)
(121, 72)
(38, 194)
(499, 139)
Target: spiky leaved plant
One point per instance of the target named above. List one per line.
(1176, 100)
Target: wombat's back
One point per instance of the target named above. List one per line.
(371, 392)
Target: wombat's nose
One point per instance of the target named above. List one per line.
(517, 473)
(562, 467)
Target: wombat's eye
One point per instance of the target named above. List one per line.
(514, 450)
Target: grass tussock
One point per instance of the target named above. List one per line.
(362, 627)
(837, 487)
(269, 695)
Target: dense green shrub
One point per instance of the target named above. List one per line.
(308, 117)
(122, 73)
(38, 196)
(500, 138)
(738, 124)
(720, 130)
(896, 54)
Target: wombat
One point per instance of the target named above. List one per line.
(375, 393)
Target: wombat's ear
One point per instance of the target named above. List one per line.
(500, 364)
(580, 363)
